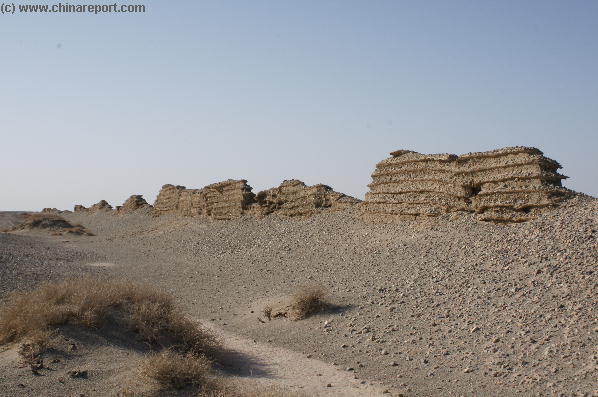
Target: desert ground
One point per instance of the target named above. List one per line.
(447, 306)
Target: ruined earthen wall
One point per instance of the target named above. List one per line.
(510, 185)
(295, 198)
(101, 205)
(223, 200)
(233, 198)
(132, 204)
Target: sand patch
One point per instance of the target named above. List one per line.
(101, 264)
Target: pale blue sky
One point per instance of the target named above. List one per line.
(104, 106)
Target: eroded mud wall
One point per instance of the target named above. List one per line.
(223, 200)
(505, 185)
(132, 204)
(295, 198)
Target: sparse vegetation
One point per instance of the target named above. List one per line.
(180, 361)
(307, 301)
(268, 312)
(91, 302)
(172, 370)
(32, 349)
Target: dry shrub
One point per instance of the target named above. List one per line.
(268, 312)
(92, 302)
(32, 349)
(307, 301)
(172, 370)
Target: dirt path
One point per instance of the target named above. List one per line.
(270, 366)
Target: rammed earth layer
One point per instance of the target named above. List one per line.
(506, 185)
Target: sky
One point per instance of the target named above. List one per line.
(194, 92)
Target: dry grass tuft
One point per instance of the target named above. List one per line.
(176, 371)
(32, 349)
(307, 301)
(268, 312)
(92, 302)
(48, 221)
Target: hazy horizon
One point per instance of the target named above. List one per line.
(106, 106)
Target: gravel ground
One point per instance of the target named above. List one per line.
(27, 260)
(449, 305)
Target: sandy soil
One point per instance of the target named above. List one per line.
(449, 305)
(269, 366)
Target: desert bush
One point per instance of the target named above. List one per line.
(307, 301)
(268, 312)
(91, 302)
(171, 370)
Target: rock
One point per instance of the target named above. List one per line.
(77, 374)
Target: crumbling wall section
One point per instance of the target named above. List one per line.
(505, 185)
(223, 200)
(294, 198)
(134, 203)
(100, 206)
(233, 198)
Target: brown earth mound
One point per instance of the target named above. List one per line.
(505, 185)
(51, 222)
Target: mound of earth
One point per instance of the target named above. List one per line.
(50, 222)
(9, 219)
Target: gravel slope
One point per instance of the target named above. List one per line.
(452, 304)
